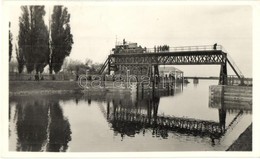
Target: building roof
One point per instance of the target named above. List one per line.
(169, 69)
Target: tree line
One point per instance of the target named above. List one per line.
(38, 45)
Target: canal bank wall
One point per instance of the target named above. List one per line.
(234, 98)
(42, 87)
(62, 87)
(21, 88)
(244, 141)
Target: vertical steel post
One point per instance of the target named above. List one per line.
(108, 109)
(109, 65)
(156, 74)
(223, 71)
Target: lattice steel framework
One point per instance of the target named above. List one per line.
(153, 60)
(170, 58)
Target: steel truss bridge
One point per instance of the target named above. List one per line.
(128, 117)
(130, 120)
(186, 55)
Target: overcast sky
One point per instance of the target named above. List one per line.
(95, 28)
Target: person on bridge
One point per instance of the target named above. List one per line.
(215, 46)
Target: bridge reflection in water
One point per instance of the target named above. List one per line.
(41, 125)
(127, 119)
(130, 115)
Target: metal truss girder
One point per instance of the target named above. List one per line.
(184, 58)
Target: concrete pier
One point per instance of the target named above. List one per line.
(231, 97)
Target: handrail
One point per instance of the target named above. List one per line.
(157, 49)
(186, 48)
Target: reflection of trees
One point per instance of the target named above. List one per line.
(31, 126)
(41, 126)
(59, 129)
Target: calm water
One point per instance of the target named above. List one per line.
(119, 121)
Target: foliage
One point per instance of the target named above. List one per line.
(40, 38)
(77, 67)
(33, 39)
(24, 39)
(20, 59)
(61, 38)
(10, 43)
(94, 69)
(12, 65)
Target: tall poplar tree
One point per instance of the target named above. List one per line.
(61, 38)
(40, 38)
(33, 38)
(24, 39)
(20, 59)
(10, 43)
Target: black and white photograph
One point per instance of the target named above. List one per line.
(93, 77)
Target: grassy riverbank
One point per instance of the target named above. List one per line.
(16, 86)
(54, 87)
(244, 141)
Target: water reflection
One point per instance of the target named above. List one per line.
(134, 113)
(128, 119)
(32, 122)
(43, 123)
(232, 101)
(41, 126)
(59, 129)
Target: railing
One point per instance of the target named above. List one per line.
(184, 48)
(158, 49)
(234, 80)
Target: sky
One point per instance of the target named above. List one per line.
(96, 28)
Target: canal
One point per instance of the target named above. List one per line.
(182, 120)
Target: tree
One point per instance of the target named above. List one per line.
(20, 59)
(33, 39)
(61, 38)
(65, 65)
(24, 39)
(12, 66)
(94, 69)
(40, 38)
(77, 67)
(10, 43)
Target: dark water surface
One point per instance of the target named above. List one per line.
(121, 121)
